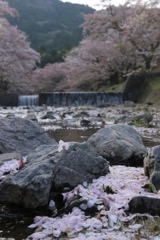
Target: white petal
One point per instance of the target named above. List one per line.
(38, 235)
(83, 206)
(51, 204)
(90, 204)
(56, 233)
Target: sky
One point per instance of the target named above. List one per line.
(93, 3)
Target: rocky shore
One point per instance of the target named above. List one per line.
(83, 183)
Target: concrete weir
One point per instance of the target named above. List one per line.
(62, 99)
(9, 99)
(80, 98)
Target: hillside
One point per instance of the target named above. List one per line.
(50, 23)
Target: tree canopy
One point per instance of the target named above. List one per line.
(128, 35)
(117, 41)
(17, 58)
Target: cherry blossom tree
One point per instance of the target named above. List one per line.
(17, 58)
(47, 78)
(133, 29)
(144, 35)
(5, 9)
(117, 40)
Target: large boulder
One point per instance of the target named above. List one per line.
(78, 165)
(143, 204)
(21, 135)
(119, 144)
(48, 170)
(152, 166)
(142, 120)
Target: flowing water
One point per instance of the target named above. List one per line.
(28, 100)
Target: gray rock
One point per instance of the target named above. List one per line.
(81, 115)
(85, 123)
(79, 165)
(48, 115)
(21, 135)
(52, 172)
(137, 120)
(147, 116)
(143, 204)
(31, 116)
(119, 144)
(68, 122)
(129, 104)
(152, 166)
(42, 152)
(122, 119)
(10, 115)
(142, 120)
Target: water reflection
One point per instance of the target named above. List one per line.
(14, 222)
(76, 135)
(72, 135)
(151, 141)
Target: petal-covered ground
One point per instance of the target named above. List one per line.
(111, 221)
(11, 167)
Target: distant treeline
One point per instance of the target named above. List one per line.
(52, 26)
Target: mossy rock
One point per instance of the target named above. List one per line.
(142, 122)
